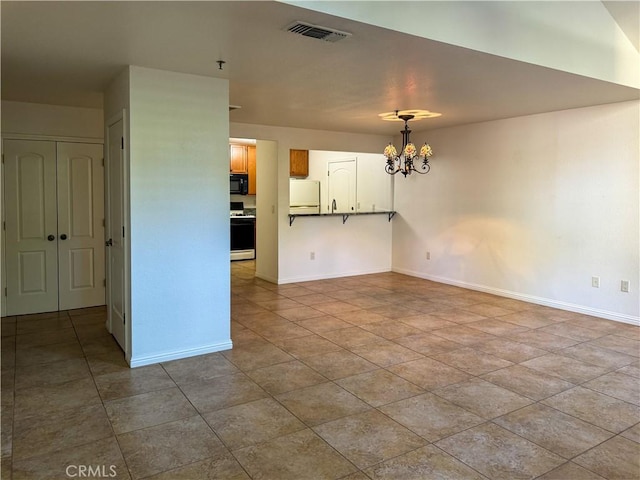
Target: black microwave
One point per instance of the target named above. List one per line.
(238, 184)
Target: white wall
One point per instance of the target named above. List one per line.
(362, 245)
(375, 186)
(266, 211)
(179, 208)
(249, 201)
(51, 120)
(532, 208)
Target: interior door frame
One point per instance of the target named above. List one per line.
(120, 116)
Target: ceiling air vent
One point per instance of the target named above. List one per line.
(316, 31)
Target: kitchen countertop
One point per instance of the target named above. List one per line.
(345, 216)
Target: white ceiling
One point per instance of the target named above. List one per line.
(67, 52)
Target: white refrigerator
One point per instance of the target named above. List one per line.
(304, 196)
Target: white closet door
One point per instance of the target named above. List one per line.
(81, 258)
(31, 230)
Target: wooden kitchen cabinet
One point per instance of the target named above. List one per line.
(251, 168)
(298, 163)
(238, 158)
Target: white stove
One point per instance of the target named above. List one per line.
(243, 233)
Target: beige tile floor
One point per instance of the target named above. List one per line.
(370, 377)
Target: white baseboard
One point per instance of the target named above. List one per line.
(177, 355)
(547, 302)
(266, 278)
(310, 278)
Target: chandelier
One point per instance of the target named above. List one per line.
(404, 163)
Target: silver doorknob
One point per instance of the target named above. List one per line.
(51, 238)
(108, 243)
(63, 236)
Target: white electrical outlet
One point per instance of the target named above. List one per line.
(428, 255)
(624, 286)
(312, 255)
(595, 282)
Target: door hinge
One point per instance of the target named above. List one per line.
(3, 158)
(124, 318)
(4, 225)
(103, 162)
(103, 222)
(123, 231)
(122, 143)
(104, 282)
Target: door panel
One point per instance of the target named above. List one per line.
(80, 227)
(30, 209)
(115, 233)
(82, 268)
(32, 272)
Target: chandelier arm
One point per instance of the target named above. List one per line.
(425, 166)
(391, 169)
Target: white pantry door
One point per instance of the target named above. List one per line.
(31, 226)
(342, 187)
(115, 233)
(81, 256)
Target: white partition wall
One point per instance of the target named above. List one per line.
(178, 134)
(267, 210)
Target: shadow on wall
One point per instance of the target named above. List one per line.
(485, 250)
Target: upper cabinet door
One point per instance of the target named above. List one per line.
(251, 168)
(238, 158)
(299, 163)
(31, 226)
